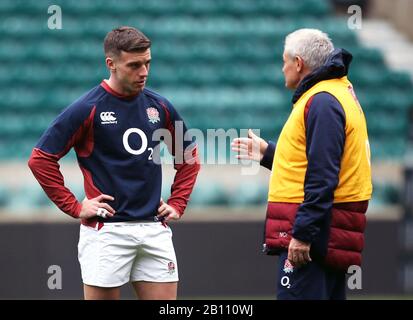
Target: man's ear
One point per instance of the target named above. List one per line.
(299, 64)
(110, 64)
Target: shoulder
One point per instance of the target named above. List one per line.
(324, 98)
(91, 97)
(324, 105)
(161, 100)
(85, 103)
(323, 110)
(152, 94)
(164, 106)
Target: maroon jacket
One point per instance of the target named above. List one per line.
(340, 248)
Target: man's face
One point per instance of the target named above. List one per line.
(291, 72)
(131, 70)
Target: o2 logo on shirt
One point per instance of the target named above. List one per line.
(143, 138)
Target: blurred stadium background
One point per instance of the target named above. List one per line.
(219, 62)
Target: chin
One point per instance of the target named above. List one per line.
(136, 90)
(139, 88)
(290, 86)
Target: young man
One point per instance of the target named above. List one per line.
(321, 177)
(124, 236)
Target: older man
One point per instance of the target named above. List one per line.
(321, 177)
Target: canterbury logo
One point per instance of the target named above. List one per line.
(107, 117)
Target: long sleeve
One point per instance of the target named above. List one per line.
(67, 131)
(325, 135)
(268, 157)
(46, 169)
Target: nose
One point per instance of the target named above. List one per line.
(144, 70)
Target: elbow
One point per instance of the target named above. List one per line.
(39, 159)
(196, 167)
(32, 160)
(191, 158)
(196, 164)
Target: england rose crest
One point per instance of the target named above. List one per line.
(288, 267)
(171, 267)
(153, 115)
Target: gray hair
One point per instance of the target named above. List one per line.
(312, 45)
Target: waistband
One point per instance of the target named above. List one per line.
(126, 223)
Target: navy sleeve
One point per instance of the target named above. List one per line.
(179, 123)
(177, 127)
(186, 160)
(325, 137)
(268, 157)
(58, 138)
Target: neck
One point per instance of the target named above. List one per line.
(115, 86)
(302, 76)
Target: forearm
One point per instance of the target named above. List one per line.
(46, 169)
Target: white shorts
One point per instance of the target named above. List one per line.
(124, 252)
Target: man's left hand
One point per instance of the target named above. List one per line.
(299, 252)
(167, 212)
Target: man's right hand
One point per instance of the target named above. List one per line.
(96, 207)
(251, 148)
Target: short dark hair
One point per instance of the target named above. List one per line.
(127, 39)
